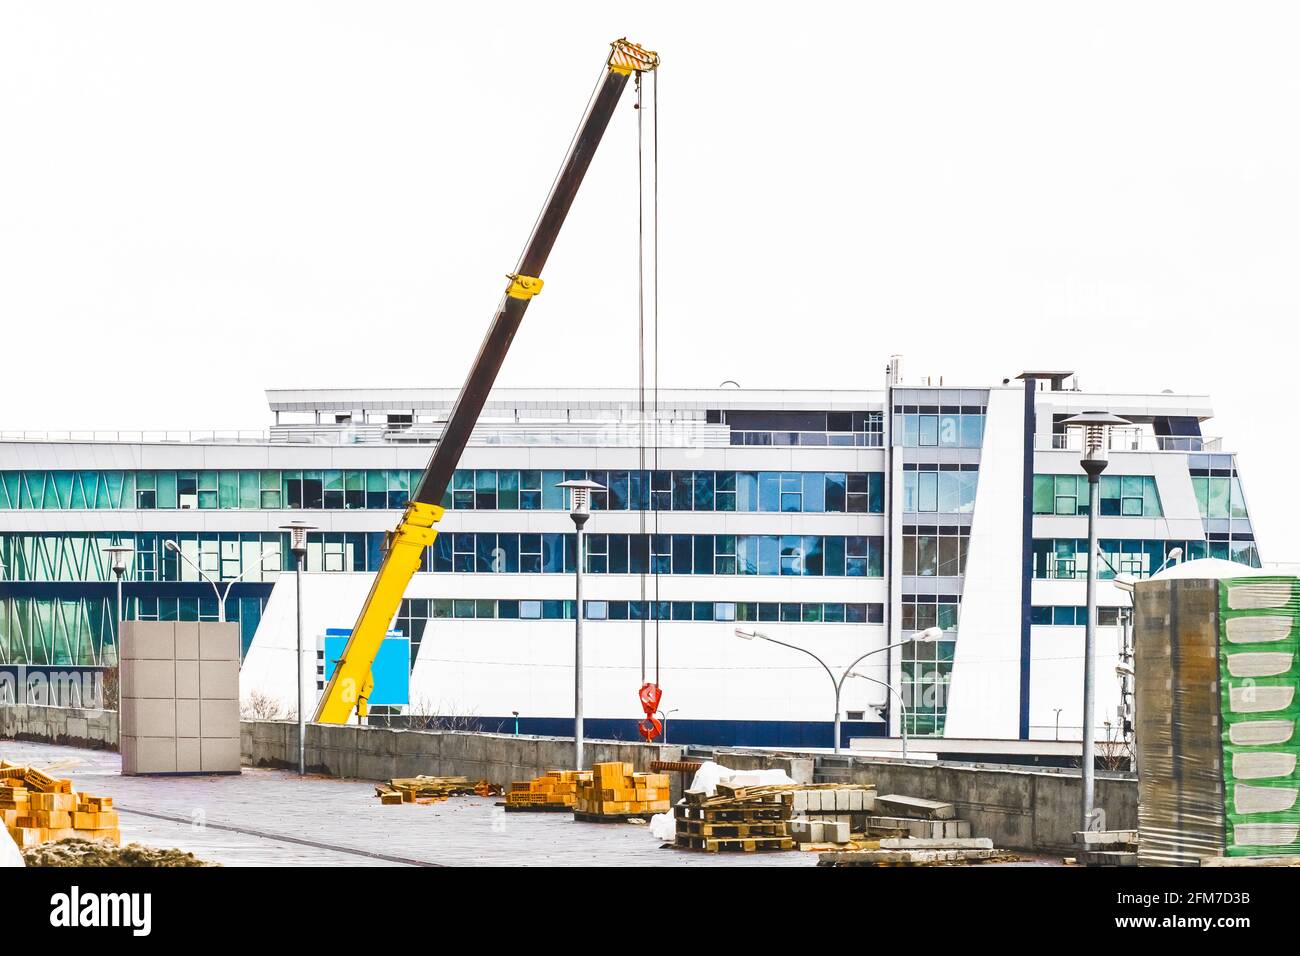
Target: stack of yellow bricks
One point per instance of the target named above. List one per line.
(37, 808)
(554, 790)
(616, 792)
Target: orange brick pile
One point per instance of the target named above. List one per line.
(552, 790)
(37, 808)
(615, 791)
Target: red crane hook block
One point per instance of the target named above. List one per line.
(650, 695)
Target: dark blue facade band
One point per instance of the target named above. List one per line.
(720, 733)
(1027, 554)
(72, 590)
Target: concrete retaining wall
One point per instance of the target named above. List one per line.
(378, 753)
(1024, 809)
(74, 726)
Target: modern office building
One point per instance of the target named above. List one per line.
(841, 522)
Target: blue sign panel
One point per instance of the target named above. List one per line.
(391, 670)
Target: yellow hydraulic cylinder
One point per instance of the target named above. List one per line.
(350, 683)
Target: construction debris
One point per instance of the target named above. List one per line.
(37, 808)
(79, 852)
(736, 818)
(896, 805)
(1107, 847)
(555, 790)
(425, 790)
(920, 829)
(917, 857)
(615, 793)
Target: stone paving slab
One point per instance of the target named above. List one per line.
(274, 818)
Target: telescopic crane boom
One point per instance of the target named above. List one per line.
(349, 687)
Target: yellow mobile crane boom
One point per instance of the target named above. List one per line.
(349, 687)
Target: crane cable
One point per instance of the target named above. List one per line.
(650, 692)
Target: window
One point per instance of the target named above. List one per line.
(939, 488)
(938, 426)
(935, 550)
(1127, 496)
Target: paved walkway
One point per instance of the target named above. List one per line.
(274, 818)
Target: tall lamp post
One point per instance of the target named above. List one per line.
(1096, 432)
(222, 593)
(120, 556)
(579, 510)
(902, 705)
(929, 634)
(298, 545)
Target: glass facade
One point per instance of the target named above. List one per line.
(935, 550)
(74, 556)
(939, 426)
(927, 665)
(83, 629)
(554, 610)
(471, 490)
(1065, 615)
(1067, 558)
(1120, 496)
(942, 489)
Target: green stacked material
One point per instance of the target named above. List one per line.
(1259, 641)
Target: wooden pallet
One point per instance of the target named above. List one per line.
(741, 813)
(734, 844)
(707, 828)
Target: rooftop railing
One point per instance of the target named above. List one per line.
(1129, 440)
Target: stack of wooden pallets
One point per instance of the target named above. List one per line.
(615, 792)
(737, 818)
(555, 790)
(37, 808)
(423, 789)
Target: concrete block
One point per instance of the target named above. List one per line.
(857, 801)
(149, 678)
(219, 718)
(126, 716)
(837, 832)
(187, 640)
(187, 719)
(219, 754)
(902, 806)
(155, 717)
(841, 800)
(219, 680)
(913, 843)
(187, 755)
(187, 680)
(219, 642)
(800, 802)
(147, 641)
(155, 755)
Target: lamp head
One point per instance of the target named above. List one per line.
(1175, 554)
(298, 535)
(929, 634)
(1096, 426)
(580, 490)
(120, 556)
(747, 635)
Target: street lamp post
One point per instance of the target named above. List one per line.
(579, 510)
(222, 593)
(929, 634)
(664, 719)
(298, 545)
(120, 555)
(902, 705)
(1096, 427)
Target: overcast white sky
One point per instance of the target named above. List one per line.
(198, 201)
